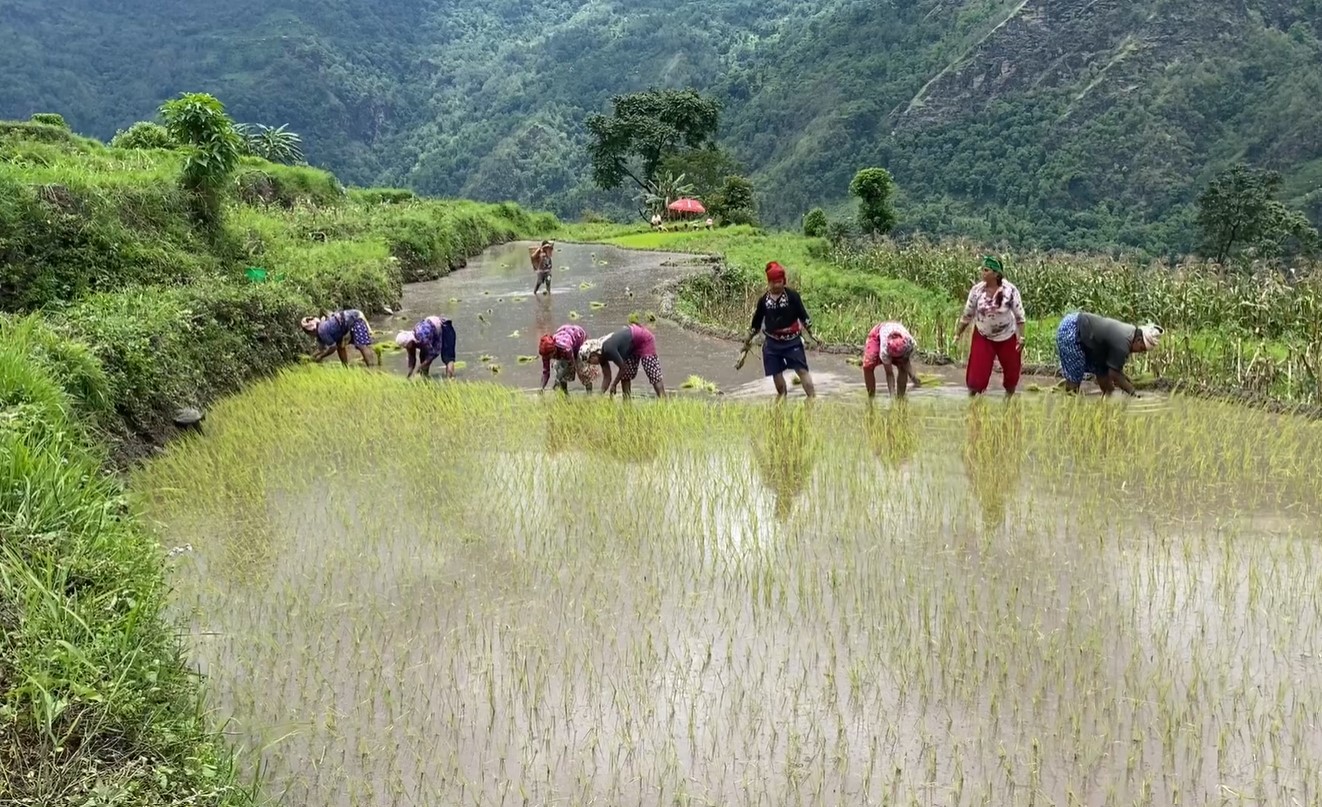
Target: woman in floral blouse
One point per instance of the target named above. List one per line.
(996, 311)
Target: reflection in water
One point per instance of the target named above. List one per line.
(891, 436)
(472, 621)
(993, 454)
(784, 454)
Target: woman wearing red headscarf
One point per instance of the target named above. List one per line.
(783, 320)
(563, 347)
(889, 345)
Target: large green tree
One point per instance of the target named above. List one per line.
(874, 188)
(1238, 212)
(644, 129)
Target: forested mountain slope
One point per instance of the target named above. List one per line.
(1079, 123)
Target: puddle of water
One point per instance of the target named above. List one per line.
(786, 611)
(496, 316)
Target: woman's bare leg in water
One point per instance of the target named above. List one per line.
(805, 379)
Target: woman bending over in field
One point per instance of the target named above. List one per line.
(1088, 343)
(563, 347)
(335, 332)
(627, 349)
(430, 339)
(891, 346)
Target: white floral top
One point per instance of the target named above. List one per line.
(995, 315)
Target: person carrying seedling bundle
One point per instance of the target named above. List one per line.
(781, 317)
(996, 312)
(890, 345)
(541, 264)
(432, 338)
(335, 332)
(1089, 343)
(563, 346)
(627, 348)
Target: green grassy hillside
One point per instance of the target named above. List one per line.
(116, 307)
(1067, 123)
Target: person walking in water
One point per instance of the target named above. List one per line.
(433, 337)
(781, 317)
(627, 349)
(1089, 343)
(996, 311)
(890, 345)
(563, 347)
(335, 332)
(541, 261)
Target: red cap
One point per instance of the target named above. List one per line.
(546, 345)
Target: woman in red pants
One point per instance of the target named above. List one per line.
(996, 311)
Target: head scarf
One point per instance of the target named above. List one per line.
(546, 345)
(993, 264)
(308, 323)
(897, 346)
(404, 338)
(775, 273)
(1151, 335)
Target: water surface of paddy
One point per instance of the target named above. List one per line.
(450, 595)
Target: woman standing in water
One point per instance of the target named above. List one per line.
(433, 338)
(335, 332)
(627, 348)
(1088, 343)
(996, 311)
(781, 317)
(891, 346)
(541, 260)
(563, 347)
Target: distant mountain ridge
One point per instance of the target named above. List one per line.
(1074, 123)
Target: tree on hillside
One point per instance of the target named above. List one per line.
(1238, 211)
(815, 223)
(707, 168)
(735, 202)
(143, 135)
(276, 144)
(665, 189)
(874, 188)
(199, 123)
(645, 128)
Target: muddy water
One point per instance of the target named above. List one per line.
(819, 612)
(496, 316)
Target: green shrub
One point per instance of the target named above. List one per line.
(50, 119)
(815, 223)
(143, 135)
(382, 196)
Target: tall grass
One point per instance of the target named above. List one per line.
(1047, 603)
(96, 705)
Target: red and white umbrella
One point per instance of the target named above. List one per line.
(686, 206)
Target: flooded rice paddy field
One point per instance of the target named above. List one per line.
(454, 594)
(498, 321)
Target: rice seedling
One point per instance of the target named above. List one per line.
(574, 315)
(486, 358)
(699, 384)
(585, 285)
(527, 359)
(514, 335)
(1053, 601)
(596, 305)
